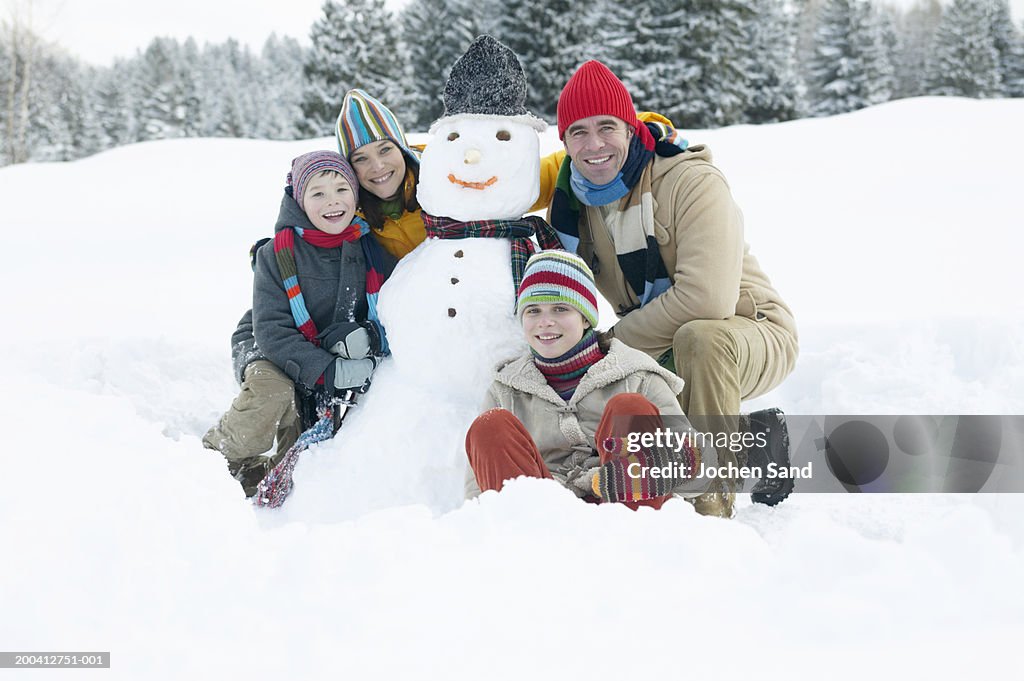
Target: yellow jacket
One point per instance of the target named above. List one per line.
(399, 237)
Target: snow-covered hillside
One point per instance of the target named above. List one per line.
(895, 235)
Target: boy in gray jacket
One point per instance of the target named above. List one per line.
(314, 315)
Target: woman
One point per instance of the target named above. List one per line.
(372, 140)
(565, 410)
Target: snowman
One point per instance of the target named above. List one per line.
(449, 305)
(479, 174)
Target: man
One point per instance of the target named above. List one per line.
(658, 225)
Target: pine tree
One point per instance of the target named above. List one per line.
(876, 42)
(437, 33)
(916, 29)
(715, 41)
(224, 99)
(324, 72)
(114, 105)
(54, 92)
(222, 89)
(46, 112)
(541, 34)
(355, 45)
(807, 18)
(169, 90)
(850, 69)
(654, 68)
(965, 62)
(8, 89)
(1009, 45)
(686, 60)
(84, 134)
(192, 124)
(240, 106)
(279, 82)
(771, 72)
(604, 30)
(22, 49)
(161, 102)
(558, 60)
(1014, 83)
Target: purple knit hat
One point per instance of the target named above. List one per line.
(308, 166)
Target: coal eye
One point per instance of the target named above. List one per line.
(452, 136)
(504, 135)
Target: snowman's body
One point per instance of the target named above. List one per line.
(455, 297)
(451, 298)
(449, 313)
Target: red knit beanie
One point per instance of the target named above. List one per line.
(594, 91)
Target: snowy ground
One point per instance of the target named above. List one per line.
(894, 234)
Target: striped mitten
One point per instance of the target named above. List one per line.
(645, 474)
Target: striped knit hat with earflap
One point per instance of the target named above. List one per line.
(559, 277)
(308, 166)
(363, 120)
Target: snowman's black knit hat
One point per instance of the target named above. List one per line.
(488, 81)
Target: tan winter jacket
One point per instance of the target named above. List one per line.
(699, 229)
(564, 431)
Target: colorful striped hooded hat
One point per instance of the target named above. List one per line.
(559, 277)
(364, 119)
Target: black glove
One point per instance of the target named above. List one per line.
(351, 340)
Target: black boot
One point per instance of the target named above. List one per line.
(249, 472)
(771, 423)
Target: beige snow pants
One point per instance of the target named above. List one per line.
(264, 408)
(725, 361)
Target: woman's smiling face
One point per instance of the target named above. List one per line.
(380, 167)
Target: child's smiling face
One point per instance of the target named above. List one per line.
(552, 329)
(329, 202)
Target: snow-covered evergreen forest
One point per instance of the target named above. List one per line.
(703, 63)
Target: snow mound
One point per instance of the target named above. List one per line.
(894, 243)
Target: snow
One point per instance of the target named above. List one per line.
(893, 232)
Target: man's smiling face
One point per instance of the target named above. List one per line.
(598, 146)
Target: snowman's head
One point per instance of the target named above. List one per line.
(480, 167)
(483, 161)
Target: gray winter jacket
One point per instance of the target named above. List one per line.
(333, 283)
(564, 431)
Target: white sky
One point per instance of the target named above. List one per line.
(100, 30)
